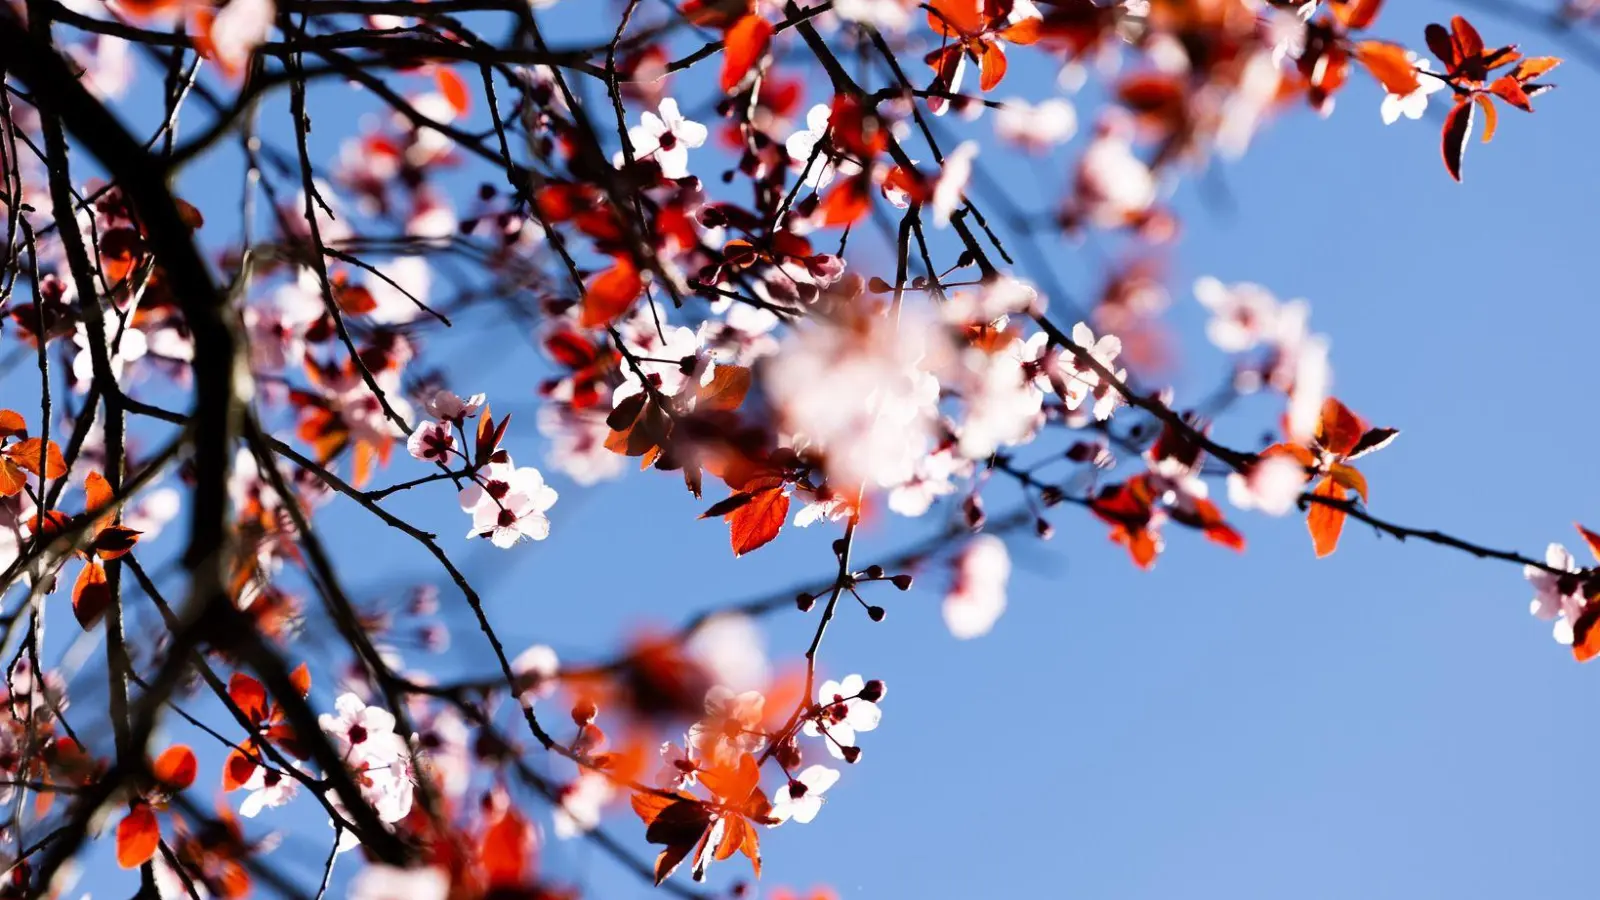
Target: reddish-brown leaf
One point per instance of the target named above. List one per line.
(756, 523)
(610, 294)
(115, 540)
(1467, 43)
(1585, 636)
(1338, 429)
(176, 767)
(1457, 126)
(1324, 521)
(1442, 46)
(12, 423)
(138, 835)
(1374, 440)
(745, 43)
(91, 596)
(1390, 65)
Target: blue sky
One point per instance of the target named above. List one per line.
(1388, 722)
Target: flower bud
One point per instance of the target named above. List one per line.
(876, 613)
(873, 691)
(851, 754)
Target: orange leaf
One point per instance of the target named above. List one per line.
(756, 523)
(1585, 636)
(992, 67)
(175, 768)
(12, 479)
(301, 679)
(33, 455)
(1534, 66)
(1491, 119)
(138, 834)
(1510, 90)
(91, 596)
(97, 493)
(1349, 477)
(454, 89)
(726, 391)
(12, 423)
(1357, 15)
(1326, 521)
(610, 294)
(1390, 65)
(1592, 539)
(746, 42)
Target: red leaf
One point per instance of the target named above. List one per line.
(847, 202)
(505, 850)
(1326, 521)
(236, 770)
(757, 522)
(138, 834)
(249, 695)
(12, 478)
(175, 768)
(1491, 118)
(12, 423)
(1457, 126)
(91, 596)
(1358, 15)
(1592, 539)
(610, 294)
(746, 42)
(301, 676)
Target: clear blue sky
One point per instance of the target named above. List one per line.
(1389, 722)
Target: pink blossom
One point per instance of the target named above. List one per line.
(978, 596)
(432, 442)
(801, 799)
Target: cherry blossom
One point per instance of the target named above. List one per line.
(508, 503)
(1082, 381)
(801, 799)
(667, 137)
(268, 788)
(731, 727)
(885, 15)
(1556, 597)
(802, 145)
(1414, 104)
(978, 595)
(1272, 486)
(844, 711)
(1036, 128)
(432, 442)
(536, 669)
(449, 406)
(580, 803)
(380, 882)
